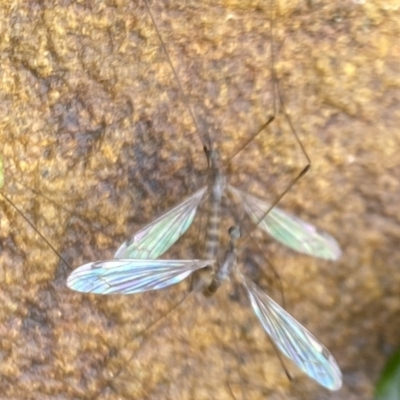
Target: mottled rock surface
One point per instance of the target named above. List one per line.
(97, 142)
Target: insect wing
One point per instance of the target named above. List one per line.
(293, 340)
(157, 237)
(121, 276)
(288, 229)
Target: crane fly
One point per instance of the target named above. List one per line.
(130, 276)
(155, 240)
(136, 267)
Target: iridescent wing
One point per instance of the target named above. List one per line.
(157, 237)
(120, 276)
(293, 340)
(288, 229)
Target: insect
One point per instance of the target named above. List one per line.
(139, 256)
(129, 276)
(58, 232)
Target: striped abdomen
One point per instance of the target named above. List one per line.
(214, 217)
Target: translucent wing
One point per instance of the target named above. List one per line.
(131, 276)
(293, 340)
(288, 229)
(157, 237)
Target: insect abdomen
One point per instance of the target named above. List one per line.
(212, 239)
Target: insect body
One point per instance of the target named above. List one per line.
(136, 267)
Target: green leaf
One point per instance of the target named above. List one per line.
(388, 386)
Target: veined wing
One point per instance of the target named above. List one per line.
(121, 276)
(293, 340)
(288, 229)
(157, 237)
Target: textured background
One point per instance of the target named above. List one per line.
(91, 118)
